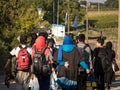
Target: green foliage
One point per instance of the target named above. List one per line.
(17, 17)
(106, 21)
(21, 17)
(111, 3)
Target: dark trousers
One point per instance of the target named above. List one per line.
(82, 77)
(100, 77)
(44, 82)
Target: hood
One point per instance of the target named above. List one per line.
(40, 43)
(68, 45)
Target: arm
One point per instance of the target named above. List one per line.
(84, 65)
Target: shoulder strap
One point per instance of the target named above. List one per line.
(86, 45)
(22, 47)
(43, 50)
(59, 58)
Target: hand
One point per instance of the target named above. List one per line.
(87, 71)
(32, 76)
(66, 64)
(53, 70)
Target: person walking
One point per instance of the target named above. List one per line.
(99, 54)
(39, 45)
(85, 54)
(68, 59)
(109, 74)
(22, 54)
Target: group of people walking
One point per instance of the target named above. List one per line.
(68, 66)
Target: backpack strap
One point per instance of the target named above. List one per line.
(43, 50)
(22, 47)
(86, 45)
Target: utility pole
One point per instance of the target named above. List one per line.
(58, 12)
(98, 6)
(118, 47)
(53, 11)
(68, 16)
(87, 21)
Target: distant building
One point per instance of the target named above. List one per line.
(93, 5)
(58, 30)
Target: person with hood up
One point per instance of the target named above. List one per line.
(39, 44)
(68, 59)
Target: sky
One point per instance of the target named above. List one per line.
(102, 1)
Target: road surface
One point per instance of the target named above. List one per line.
(115, 85)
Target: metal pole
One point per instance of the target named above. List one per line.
(53, 11)
(118, 47)
(98, 6)
(68, 16)
(86, 22)
(58, 13)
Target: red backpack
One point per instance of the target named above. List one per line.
(23, 59)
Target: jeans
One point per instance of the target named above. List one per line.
(67, 84)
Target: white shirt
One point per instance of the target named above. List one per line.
(15, 50)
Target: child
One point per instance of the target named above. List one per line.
(53, 78)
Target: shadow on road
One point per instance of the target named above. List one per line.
(116, 83)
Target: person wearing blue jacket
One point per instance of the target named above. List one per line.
(68, 59)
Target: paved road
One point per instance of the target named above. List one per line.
(114, 86)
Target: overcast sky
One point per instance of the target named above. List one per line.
(102, 1)
(97, 0)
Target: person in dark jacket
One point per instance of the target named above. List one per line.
(68, 64)
(109, 75)
(98, 62)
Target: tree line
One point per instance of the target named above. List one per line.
(21, 16)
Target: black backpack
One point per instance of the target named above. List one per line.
(106, 61)
(40, 65)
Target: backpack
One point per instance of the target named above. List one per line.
(105, 61)
(40, 64)
(23, 59)
(83, 53)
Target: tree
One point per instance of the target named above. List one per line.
(21, 16)
(17, 17)
(111, 3)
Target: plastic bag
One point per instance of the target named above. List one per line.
(115, 66)
(33, 83)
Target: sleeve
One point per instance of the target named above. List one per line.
(13, 52)
(113, 54)
(84, 65)
(89, 51)
(62, 63)
(80, 61)
(49, 56)
(55, 56)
